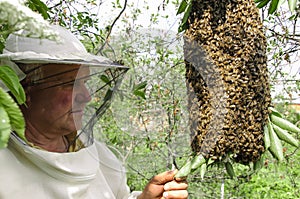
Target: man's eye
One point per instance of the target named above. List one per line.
(67, 84)
(80, 83)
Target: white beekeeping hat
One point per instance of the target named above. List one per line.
(104, 75)
(67, 50)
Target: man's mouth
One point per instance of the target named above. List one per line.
(77, 111)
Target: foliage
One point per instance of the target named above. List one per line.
(11, 118)
(81, 18)
(16, 16)
(214, 178)
(184, 7)
(273, 5)
(148, 119)
(274, 180)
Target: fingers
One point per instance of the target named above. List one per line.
(163, 178)
(174, 185)
(175, 194)
(164, 186)
(175, 189)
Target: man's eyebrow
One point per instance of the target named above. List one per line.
(60, 73)
(44, 79)
(58, 83)
(61, 83)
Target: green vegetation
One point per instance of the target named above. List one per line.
(146, 157)
(148, 120)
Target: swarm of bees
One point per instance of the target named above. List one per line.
(227, 79)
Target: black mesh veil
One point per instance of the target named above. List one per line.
(85, 93)
(101, 84)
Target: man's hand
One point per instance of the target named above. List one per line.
(163, 185)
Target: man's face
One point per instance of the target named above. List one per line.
(56, 103)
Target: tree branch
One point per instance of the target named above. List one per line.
(111, 27)
(289, 37)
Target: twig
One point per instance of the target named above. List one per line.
(111, 27)
(135, 170)
(289, 37)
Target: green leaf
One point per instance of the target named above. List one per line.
(273, 6)
(284, 124)
(1, 46)
(266, 137)
(4, 137)
(258, 164)
(187, 13)
(15, 115)
(203, 170)
(229, 169)
(11, 80)
(184, 21)
(140, 86)
(139, 94)
(292, 5)
(41, 7)
(185, 170)
(262, 3)
(197, 161)
(105, 79)
(285, 136)
(4, 127)
(275, 112)
(138, 90)
(182, 7)
(276, 146)
(183, 27)
(280, 2)
(108, 95)
(293, 17)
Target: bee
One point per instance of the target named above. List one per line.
(232, 57)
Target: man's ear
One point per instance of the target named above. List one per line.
(28, 100)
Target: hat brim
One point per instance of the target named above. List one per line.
(82, 59)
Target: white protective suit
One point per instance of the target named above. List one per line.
(91, 173)
(26, 172)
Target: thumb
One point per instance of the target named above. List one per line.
(164, 177)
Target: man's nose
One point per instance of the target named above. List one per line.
(83, 95)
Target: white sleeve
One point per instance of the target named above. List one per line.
(114, 172)
(134, 194)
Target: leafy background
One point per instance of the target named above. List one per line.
(147, 121)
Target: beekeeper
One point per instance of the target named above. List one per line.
(60, 159)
